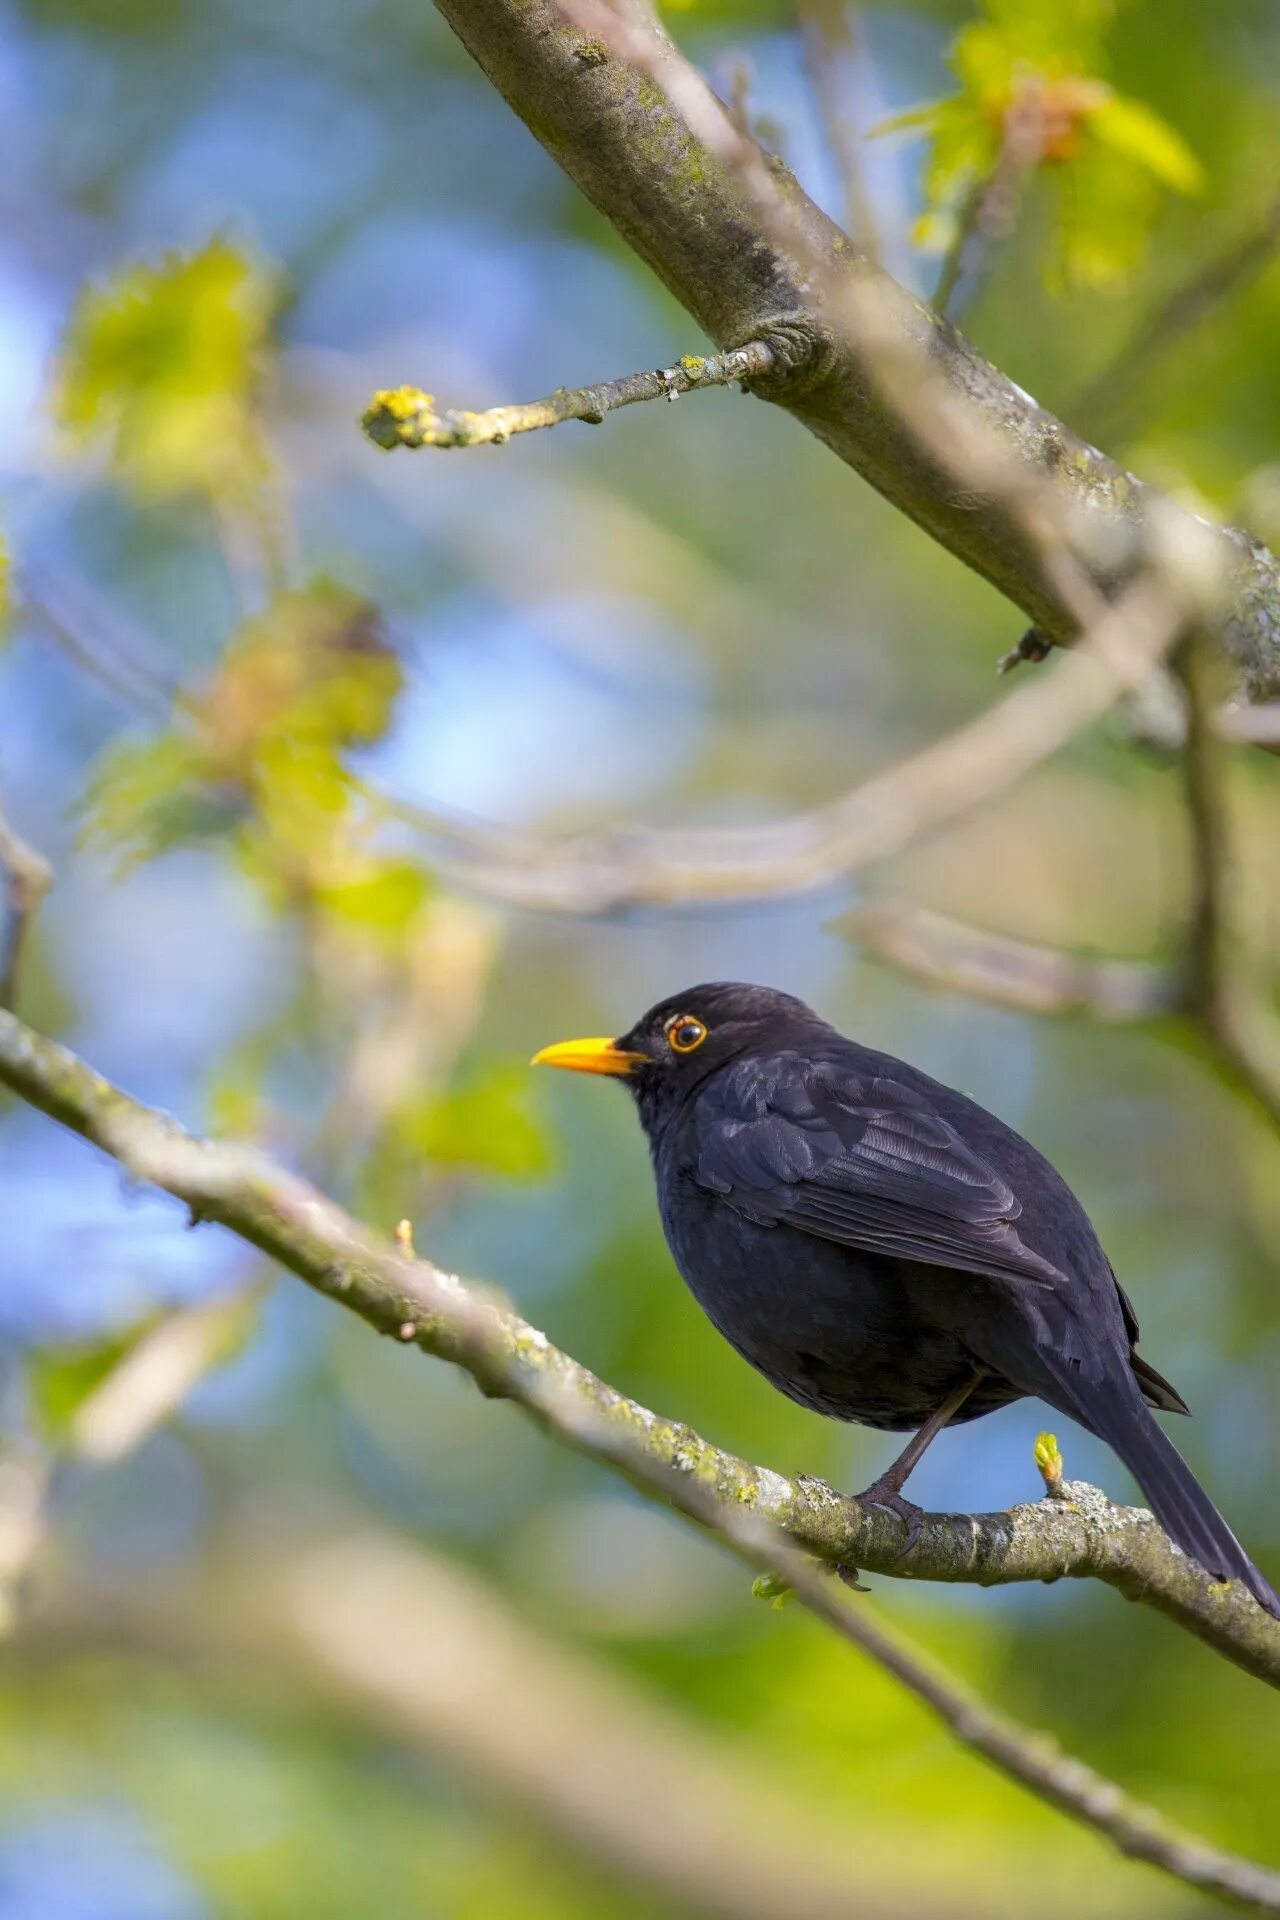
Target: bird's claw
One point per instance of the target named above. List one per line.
(888, 1497)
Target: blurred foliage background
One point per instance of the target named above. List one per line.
(239, 633)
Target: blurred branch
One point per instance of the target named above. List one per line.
(27, 878)
(603, 872)
(829, 43)
(623, 1777)
(600, 873)
(610, 872)
(1019, 974)
(1250, 726)
(406, 416)
(414, 1301)
(134, 1398)
(24, 1488)
(988, 214)
(156, 1376)
(1202, 989)
(1108, 402)
(1208, 928)
(415, 1648)
(737, 241)
(968, 222)
(1215, 1001)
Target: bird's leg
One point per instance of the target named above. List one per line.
(887, 1490)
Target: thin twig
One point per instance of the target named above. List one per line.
(27, 878)
(956, 257)
(417, 1303)
(829, 43)
(1215, 999)
(1111, 400)
(406, 416)
(613, 872)
(1019, 974)
(603, 874)
(1207, 934)
(1203, 991)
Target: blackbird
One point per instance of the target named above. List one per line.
(883, 1249)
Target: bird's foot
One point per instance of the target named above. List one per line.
(883, 1493)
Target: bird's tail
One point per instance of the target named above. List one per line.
(1176, 1497)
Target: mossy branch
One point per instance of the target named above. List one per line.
(25, 877)
(736, 240)
(406, 416)
(773, 1522)
(409, 1299)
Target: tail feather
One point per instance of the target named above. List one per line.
(1176, 1497)
(1156, 1390)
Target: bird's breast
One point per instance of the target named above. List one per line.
(834, 1328)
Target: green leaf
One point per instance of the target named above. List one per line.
(1037, 65)
(160, 367)
(383, 900)
(233, 1100)
(260, 747)
(144, 797)
(1134, 130)
(488, 1123)
(61, 1379)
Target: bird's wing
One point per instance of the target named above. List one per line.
(860, 1160)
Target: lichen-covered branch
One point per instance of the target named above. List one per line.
(409, 1299)
(407, 417)
(1078, 1532)
(692, 208)
(25, 877)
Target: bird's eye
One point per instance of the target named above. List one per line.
(685, 1033)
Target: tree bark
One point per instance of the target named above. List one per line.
(690, 216)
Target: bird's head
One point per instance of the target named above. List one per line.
(674, 1046)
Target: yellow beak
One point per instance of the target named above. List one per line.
(588, 1056)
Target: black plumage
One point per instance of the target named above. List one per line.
(883, 1249)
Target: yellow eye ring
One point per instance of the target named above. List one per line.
(684, 1033)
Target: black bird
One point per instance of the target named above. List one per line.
(883, 1249)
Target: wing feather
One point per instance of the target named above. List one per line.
(861, 1161)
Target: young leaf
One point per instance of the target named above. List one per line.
(160, 367)
(488, 1124)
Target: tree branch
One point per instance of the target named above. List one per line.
(411, 1300)
(600, 873)
(406, 416)
(417, 1648)
(640, 152)
(1216, 1001)
(829, 44)
(1021, 974)
(1112, 399)
(27, 878)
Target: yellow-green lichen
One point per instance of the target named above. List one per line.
(394, 415)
